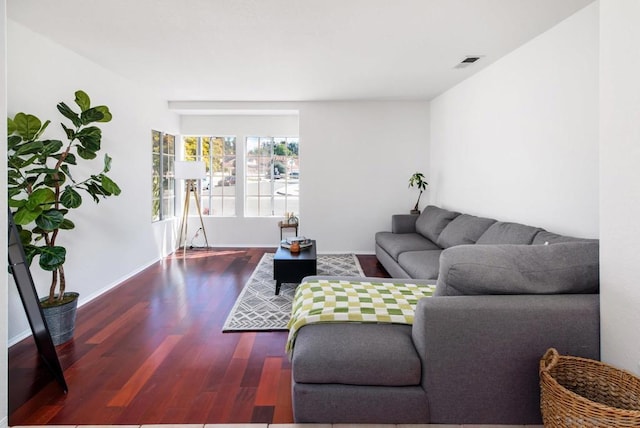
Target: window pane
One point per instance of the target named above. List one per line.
(155, 175)
(273, 173)
(162, 182)
(217, 190)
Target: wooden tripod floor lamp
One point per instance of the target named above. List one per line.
(190, 171)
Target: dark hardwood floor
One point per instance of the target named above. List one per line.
(152, 351)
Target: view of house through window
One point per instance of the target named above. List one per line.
(272, 176)
(163, 196)
(218, 189)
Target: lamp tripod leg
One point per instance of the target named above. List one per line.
(204, 231)
(185, 219)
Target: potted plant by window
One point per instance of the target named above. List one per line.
(417, 180)
(43, 192)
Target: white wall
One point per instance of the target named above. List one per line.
(519, 140)
(4, 368)
(355, 160)
(620, 182)
(115, 238)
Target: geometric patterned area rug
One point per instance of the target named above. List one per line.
(258, 308)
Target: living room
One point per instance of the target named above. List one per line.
(541, 136)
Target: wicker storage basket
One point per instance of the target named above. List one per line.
(578, 392)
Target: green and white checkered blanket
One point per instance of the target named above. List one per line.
(322, 301)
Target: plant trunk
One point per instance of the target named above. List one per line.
(416, 208)
(57, 275)
(63, 283)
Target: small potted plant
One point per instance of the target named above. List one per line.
(43, 192)
(417, 180)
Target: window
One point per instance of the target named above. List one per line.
(273, 173)
(162, 182)
(218, 189)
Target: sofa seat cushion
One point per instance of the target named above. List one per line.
(464, 230)
(421, 264)
(396, 243)
(508, 233)
(433, 220)
(356, 354)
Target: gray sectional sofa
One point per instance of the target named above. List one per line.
(412, 249)
(505, 293)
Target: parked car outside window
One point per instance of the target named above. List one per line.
(227, 181)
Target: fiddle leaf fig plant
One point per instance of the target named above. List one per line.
(418, 180)
(43, 183)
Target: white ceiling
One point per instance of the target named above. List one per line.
(292, 50)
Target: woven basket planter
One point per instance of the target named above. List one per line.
(578, 392)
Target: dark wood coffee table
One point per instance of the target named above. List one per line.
(292, 267)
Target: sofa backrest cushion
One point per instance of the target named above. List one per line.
(508, 233)
(563, 268)
(464, 229)
(544, 237)
(433, 220)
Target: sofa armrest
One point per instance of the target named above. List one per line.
(480, 354)
(403, 223)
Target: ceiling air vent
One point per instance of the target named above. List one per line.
(467, 61)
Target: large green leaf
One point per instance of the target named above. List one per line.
(86, 154)
(70, 158)
(107, 163)
(65, 169)
(25, 216)
(70, 132)
(27, 125)
(70, 198)
(51, 258)
(55, 180)
(30, 251)
(13, 141)
(25, 236)
(91, 115)
(19, 164)
(50, 220)
(109, 185)
(29, 148)
(51, 147)
(43, 196)
(90, 138)
(42, 128)
(42, 170)
(67, 224)
(70, 114)
(106, 114)
(82, 100)
(16, 203)
(95, 190)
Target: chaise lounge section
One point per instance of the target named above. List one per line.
(505, 294)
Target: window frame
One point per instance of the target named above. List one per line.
(163, 190)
